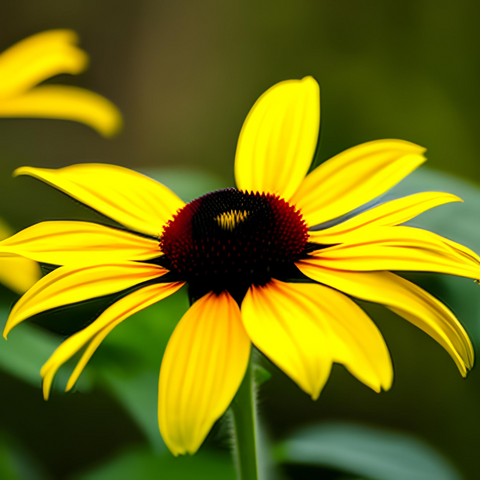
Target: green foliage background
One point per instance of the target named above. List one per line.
(185, 75)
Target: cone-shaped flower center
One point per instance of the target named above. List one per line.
(230, 237)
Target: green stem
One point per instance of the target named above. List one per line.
(244, 417)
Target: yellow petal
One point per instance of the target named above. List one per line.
(62, 243)
(354, 177)
(38, 58)
(287, 330)
(404, 298)
(303, 327)
(65, 103)
(17, 273)
(402, 249)
(388, 214)
(278, 139)
(202, 368)
(132, 199)
(94, 334)
(72, 284)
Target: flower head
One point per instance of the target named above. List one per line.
(39, 57)
(259, 260)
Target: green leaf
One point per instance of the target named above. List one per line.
(16, 463)
(143, 465)
(138, 395)
(187, 183)
(7, 468)
(366, 452)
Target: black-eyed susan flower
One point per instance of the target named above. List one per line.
(259, 265)
(40, 57)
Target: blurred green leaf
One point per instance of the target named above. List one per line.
(7, 468)
(143, 465)
(187, 183)
(138, 395)
(365, 451)
(16, 463)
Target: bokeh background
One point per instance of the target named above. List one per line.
(184, 75)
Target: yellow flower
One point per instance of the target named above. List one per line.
(42, 56)
(257, 262)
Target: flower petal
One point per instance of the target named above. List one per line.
(402, 249)
(72, 284)
(65, 103)
(278, 139)
(17, 273)
(388, 214)
(287, 330)
(303, 327)
(202, 368)
(130, 198)
(354, 177)
(38, 58)
(94, 334)
(404, 298)
(62, 243)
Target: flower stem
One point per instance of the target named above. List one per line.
(244, 418)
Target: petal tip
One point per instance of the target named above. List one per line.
(387, 385)
(310, 82)
(454, 198)
(115, 126)
(8, 327)
(314, 396)
(46, 389)
(21, 171)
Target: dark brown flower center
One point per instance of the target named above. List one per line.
(229, 237)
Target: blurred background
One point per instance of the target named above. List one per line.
(185, 74)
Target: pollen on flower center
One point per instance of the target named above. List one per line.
(230, 236)
(229, 220)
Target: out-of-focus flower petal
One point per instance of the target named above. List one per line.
(65, 103)
(37, 58)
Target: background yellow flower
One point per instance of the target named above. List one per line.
(38, 58)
